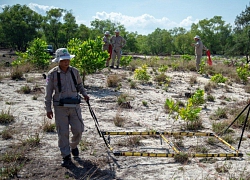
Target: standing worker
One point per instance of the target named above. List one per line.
(118, 43)
(107, 46)
(62, 87)
(199, 47)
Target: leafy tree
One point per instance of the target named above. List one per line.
(131, 45)
(214, 32)
(35, 55)
(242, 31)
(181, 40)
(83, 32)
(19, 25)
(155, 42)
(89, 56)
(52, 26)
(68, 30)
(141, 43)
(100, 26)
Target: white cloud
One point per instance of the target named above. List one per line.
(145, 23)
(41, 9)
(188, 22)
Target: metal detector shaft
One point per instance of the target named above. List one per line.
(97, 126)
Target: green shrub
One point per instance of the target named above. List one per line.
(25, 89)
(186, 57)
(243, 73)
(197, 98)
(218, 78)
(6, 117)
(141, 73)
(35, 54)
(163, 68)
(162, 78)
(125, 61)
(89, 56)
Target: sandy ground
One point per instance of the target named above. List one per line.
(97, 162)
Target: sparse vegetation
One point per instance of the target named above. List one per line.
(48, 126)
(181, 158)
(113, 80)
(180, 108)
(119, 121)
(6, 117)
(25, 89)
(7, 133)
(220, 113)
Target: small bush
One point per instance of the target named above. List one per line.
(212, 141)
(181, 158)
(132, 84)
(34, 97)
(7, 133)
(16, 74)
(219, 127)
(218, 78)
(113, 80)
(32, 141)
(48, 126)
(123, 101)
(6, 117)
(25, 89)
(201, 149)
(162, 78)
(228, 138)
(163, 68)
(210, 98)
(119, 121)
(220, 113)
(193, 80)
(194, 125)
(125, 61)
(134, 141)
(209, 87)
(221, 169)
(141, 74)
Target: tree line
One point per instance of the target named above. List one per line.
(19, 25)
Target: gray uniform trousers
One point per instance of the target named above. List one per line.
(198, 61)
(116, 52)
(65, 116)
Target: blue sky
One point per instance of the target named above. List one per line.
(143, 16)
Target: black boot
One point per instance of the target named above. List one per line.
(66, 161)
(75, 152)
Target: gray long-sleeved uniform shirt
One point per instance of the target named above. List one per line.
(106, 43)
(117, 42)
(67, 86)
(199, 47)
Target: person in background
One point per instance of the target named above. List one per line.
(199, 47)
(63, 83)
(107, 46)
(117, 42)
